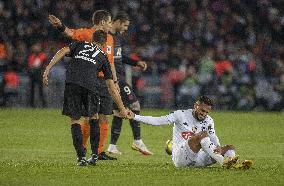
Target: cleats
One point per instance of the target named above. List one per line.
(245, 165)
(230, 162)
(112, 149)
(82, 161)
(104, 156)
(233, 163)
(93, 160)
(141, 147)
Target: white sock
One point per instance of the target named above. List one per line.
(209, 148)
(230, 154)
(138, 141)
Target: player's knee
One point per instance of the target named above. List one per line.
(135, 106)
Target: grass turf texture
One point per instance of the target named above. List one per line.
(36, 149)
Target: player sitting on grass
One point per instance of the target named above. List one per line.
(195, 142)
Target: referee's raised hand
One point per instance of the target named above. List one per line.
(54, 21)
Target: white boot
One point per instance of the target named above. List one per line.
(112, 149)
(141, 147)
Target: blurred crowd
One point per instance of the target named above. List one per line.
(230, 50)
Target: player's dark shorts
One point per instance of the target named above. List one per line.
(106, 101)
(79, 101)
(127, 95)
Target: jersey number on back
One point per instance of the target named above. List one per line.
(89, 51)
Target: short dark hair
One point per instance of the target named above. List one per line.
(205, 100)
(100, 37)
(121, 16)
(99, 16)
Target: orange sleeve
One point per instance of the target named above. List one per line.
(82, 34)
(109, 48)
(109, 51)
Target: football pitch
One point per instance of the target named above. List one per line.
(36, 149)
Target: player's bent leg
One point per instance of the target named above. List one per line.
(208, 146)
(77, 138)
(138, 143)
(183, 156)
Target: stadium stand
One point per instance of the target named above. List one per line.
(231, 50)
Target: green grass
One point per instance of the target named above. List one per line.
(36, 149)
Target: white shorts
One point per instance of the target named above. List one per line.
(183, 156)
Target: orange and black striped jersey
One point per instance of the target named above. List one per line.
(86, 34)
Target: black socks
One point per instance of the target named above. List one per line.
(94, 135)
(115, 129)
(77, 140)
(135, 125)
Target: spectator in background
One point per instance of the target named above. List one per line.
(189, 89)
(36, 63)
(3, 55)
(10, 87)
(170, 34)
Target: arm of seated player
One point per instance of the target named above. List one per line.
(212, 134)
(172, 117)
(156, 121)
(81, 34)
(57, 57)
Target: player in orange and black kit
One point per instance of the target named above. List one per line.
(102, 21)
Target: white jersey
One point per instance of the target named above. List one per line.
(185, 125)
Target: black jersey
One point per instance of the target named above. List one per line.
(87, 61)
(119, 67)
(120, 59)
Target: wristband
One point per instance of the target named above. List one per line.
(61, 28)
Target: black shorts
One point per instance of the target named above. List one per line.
(106, 101)
(79, 101)
(127, 95)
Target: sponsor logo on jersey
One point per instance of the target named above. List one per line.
(187, 135)
(108, 49)
(117, 53)
(86, 59)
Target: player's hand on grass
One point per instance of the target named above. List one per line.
(142, 64)
(54, 21)
(45, 77)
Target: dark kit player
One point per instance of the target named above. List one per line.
(81, 97)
